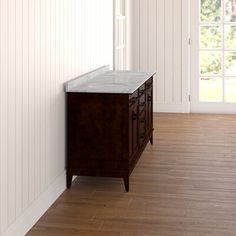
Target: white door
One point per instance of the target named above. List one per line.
(213, 56)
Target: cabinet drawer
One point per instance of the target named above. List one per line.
(148, 84)
(133, 98)
(141, 90)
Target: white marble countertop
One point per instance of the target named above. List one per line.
(104, 80)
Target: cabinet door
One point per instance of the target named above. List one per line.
(142, 128)
(133, 129)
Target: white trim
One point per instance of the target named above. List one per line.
(185, 56)
(214, 108)
(26, 221)
(168, 107)
(194, 88)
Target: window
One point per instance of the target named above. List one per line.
(217, 51)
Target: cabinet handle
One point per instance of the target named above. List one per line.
(134, 116)
(133, 100)
(149, 98)
(142, 136)
(143, 120)
(141, 92)
(148, 85)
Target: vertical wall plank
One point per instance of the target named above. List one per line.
(82, 38)
(42, 89)
(152, 39)
(169, 74)
(25, 105)
(37, 60)
(4, 114)
(70, 40)
(61, 98)
(136, 35)
(143, 47)
(52, 115)
(11, 110)
(57, 84)
(0, 117)
(160, 68)
(19, 107)
(48, 91)
(31, 94)
(177, 51)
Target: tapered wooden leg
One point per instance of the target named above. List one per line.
(68, 179)
(126, 182)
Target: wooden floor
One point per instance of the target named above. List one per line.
(183, 185)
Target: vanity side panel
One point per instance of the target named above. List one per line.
(97, 134)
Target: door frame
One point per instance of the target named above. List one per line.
(186, 56)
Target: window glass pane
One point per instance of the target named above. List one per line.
(210, 63)
(230, 10)
(210, 37)
(230, 89)
(210, 90)
(230, 63)
(230, 37)
(210, 11)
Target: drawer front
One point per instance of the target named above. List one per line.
(148, 84)
(141, 90)
(142, 103)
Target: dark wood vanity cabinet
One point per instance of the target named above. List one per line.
(107, 132)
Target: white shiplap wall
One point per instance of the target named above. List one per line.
(159, 42)
(43, 43)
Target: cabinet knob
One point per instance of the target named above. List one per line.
(141, 92)
(142, 104)
(133, 100)
(149, 98)
(134, 116)
(148, 85)
(142, 136)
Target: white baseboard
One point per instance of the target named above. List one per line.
(171, 107)
(26, 221)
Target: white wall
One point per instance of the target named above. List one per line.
(43, 43)
(159, 42)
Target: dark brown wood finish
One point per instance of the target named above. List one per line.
(107, 133)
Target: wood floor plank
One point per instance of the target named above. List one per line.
(183, 185)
